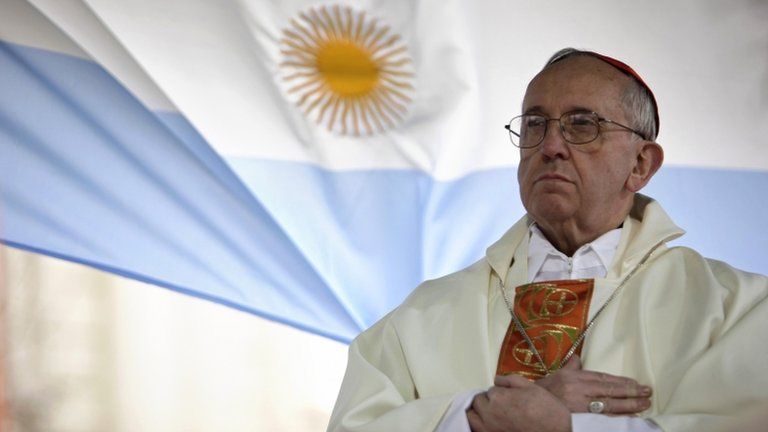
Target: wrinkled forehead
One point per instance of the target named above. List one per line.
(577, 82)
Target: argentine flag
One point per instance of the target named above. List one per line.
(312, 162)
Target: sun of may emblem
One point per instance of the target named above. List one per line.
(346, 71)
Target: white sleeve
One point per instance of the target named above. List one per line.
(455, 419)
(583, 422)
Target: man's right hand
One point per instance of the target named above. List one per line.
(576, 388)
(515, 404)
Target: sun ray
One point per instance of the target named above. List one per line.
(394, 92)
(353, 110)
(367, 104)
(295, 64)
(318, 37)
(346, 71)
(386, 71)
(297, 55)
(314, 103)
(396, 63)
(376, 37)
(392, 106)
(387, 112)
(297, 75)
(349, 23)
(294, 34)
(311, 39)
(344, 114)
(337, 103)
(309, 92)
(298, 42)
(388, 43)
(308, 37)
(328, 21)
(331, 98)
(360, 102)
(368, 32)
(392, 54)
(398, 84)
(358, 27)
(377, 105)
(305, 84)
(383, 56)
(339, 22)
(316, 20)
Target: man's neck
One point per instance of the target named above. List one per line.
(568, 237)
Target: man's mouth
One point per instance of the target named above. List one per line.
(553, 177)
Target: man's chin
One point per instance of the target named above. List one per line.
(552, 209)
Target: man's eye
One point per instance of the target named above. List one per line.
(534, 122)
(581, 120)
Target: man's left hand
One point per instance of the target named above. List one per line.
(576, 388)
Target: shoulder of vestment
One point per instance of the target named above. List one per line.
(736, 291)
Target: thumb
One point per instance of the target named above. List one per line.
(573, 364)
(511, 381)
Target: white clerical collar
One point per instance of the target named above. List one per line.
(591, 260)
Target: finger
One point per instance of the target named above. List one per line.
(613, 391)
(475, 422)
(511, 381)
(615, 386)
(493, 393)
(497, 394)
(573, 364)
(627, 389)
(480, 406)
(480, 401)
(626, 406)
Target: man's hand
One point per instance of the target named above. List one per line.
(576, 388)
(515, 404)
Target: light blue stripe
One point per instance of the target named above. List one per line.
(723, 211)
(432, 227)
(90, 175)
(376, 234)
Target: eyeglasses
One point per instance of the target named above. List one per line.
(577, 127)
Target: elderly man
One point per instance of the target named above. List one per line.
(579, 317)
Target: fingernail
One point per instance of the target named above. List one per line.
(645, 391)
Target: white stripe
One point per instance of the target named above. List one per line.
(79, 23)
(706, 65)
(223, 55)
(22, 23)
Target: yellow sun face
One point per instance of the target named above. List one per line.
(346, 71)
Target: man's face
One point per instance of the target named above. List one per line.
(564, 184)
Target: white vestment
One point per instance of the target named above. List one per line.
(693, 329)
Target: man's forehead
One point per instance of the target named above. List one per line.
(571, 79)
(582, 66)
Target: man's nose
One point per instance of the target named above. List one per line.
(554, 144)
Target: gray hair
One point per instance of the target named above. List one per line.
(637, 100)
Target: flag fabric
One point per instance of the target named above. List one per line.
(312, 162)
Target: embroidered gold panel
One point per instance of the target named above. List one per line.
(553, 313)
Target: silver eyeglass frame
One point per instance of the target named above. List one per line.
(599, 119)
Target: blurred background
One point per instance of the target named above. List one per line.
(87, 351)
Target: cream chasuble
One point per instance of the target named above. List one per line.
(689, 327)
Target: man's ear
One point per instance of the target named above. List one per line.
(648, 161)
